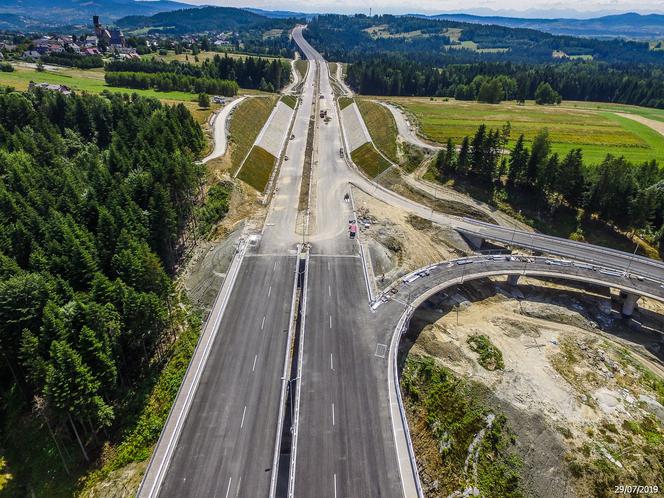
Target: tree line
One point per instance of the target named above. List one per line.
(618, 192)
(96, 193)
(73, 60)
(249, 72)
(430, 41)
(396, 75)
(168, 82)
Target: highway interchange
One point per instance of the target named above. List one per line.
(224, 438)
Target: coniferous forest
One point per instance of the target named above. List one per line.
(96, 195)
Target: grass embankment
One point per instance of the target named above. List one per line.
(301, 66)
(369, 160)
(247, 122)
(257, 168)
(381, 126)
(289, 100)
(445, 413)
(594, 128)
(332, 68)
(345, 102)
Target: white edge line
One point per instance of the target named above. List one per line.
(303, 309)
(224, 291)
(284, 383)
(394, 392)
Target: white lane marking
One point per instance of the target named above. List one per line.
(263, 322)
(275, 266)
(331, 362)
(237, 493)
(332, 413)
(335, 486)
(330, 321)
(328, 266)
(269, 291)
(243, 414)
(229, 486)
(254, 367)
(329, 291)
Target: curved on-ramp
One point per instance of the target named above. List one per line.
(425, 282)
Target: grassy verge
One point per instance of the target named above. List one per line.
(369, 160)
(490, 356)
(345, 102)
(289, 100)
(257, 169)
(247, 122)
(445, 413)
(594, 128)
(301, 66)
(381, 126)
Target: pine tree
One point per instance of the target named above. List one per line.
(518, 163)
(463, 162)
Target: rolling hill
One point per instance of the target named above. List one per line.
(27, 14)
(196, 20)
(629, 25)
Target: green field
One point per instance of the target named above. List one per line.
(381, 126)
(84, 80)
(369, 160)
(257, 168)
(248, 120)
(589, 126)
(202, 56)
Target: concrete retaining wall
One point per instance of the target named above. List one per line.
(273, 134)
(354, 128)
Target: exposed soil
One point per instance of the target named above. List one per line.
(579, 386)
(399, 242)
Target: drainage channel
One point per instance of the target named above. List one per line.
(288, 436)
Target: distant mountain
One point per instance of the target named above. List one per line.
(31, 13)
(281, 14)
(630, 25)
(203, 19)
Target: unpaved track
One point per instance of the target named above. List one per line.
(658, 126)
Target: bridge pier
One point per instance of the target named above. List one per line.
(629, 303)
(513, 280)
(474, 240)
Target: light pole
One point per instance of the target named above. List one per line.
(629, 265)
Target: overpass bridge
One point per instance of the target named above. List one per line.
(402, 298)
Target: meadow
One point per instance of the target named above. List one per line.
(594, 128)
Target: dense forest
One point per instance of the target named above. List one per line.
(249, 72)
(395, 75)
(249, 32)
(617, 192)
(438, 43)
(96, 194)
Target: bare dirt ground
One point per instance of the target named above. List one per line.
(577, 385)
(398, 242)
(658, 126)
(205, 271)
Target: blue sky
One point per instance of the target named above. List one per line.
(531, 8)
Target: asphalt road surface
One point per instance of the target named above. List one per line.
(227, 441)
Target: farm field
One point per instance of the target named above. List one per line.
(89, 80)
(202, 56)
(592, 127)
